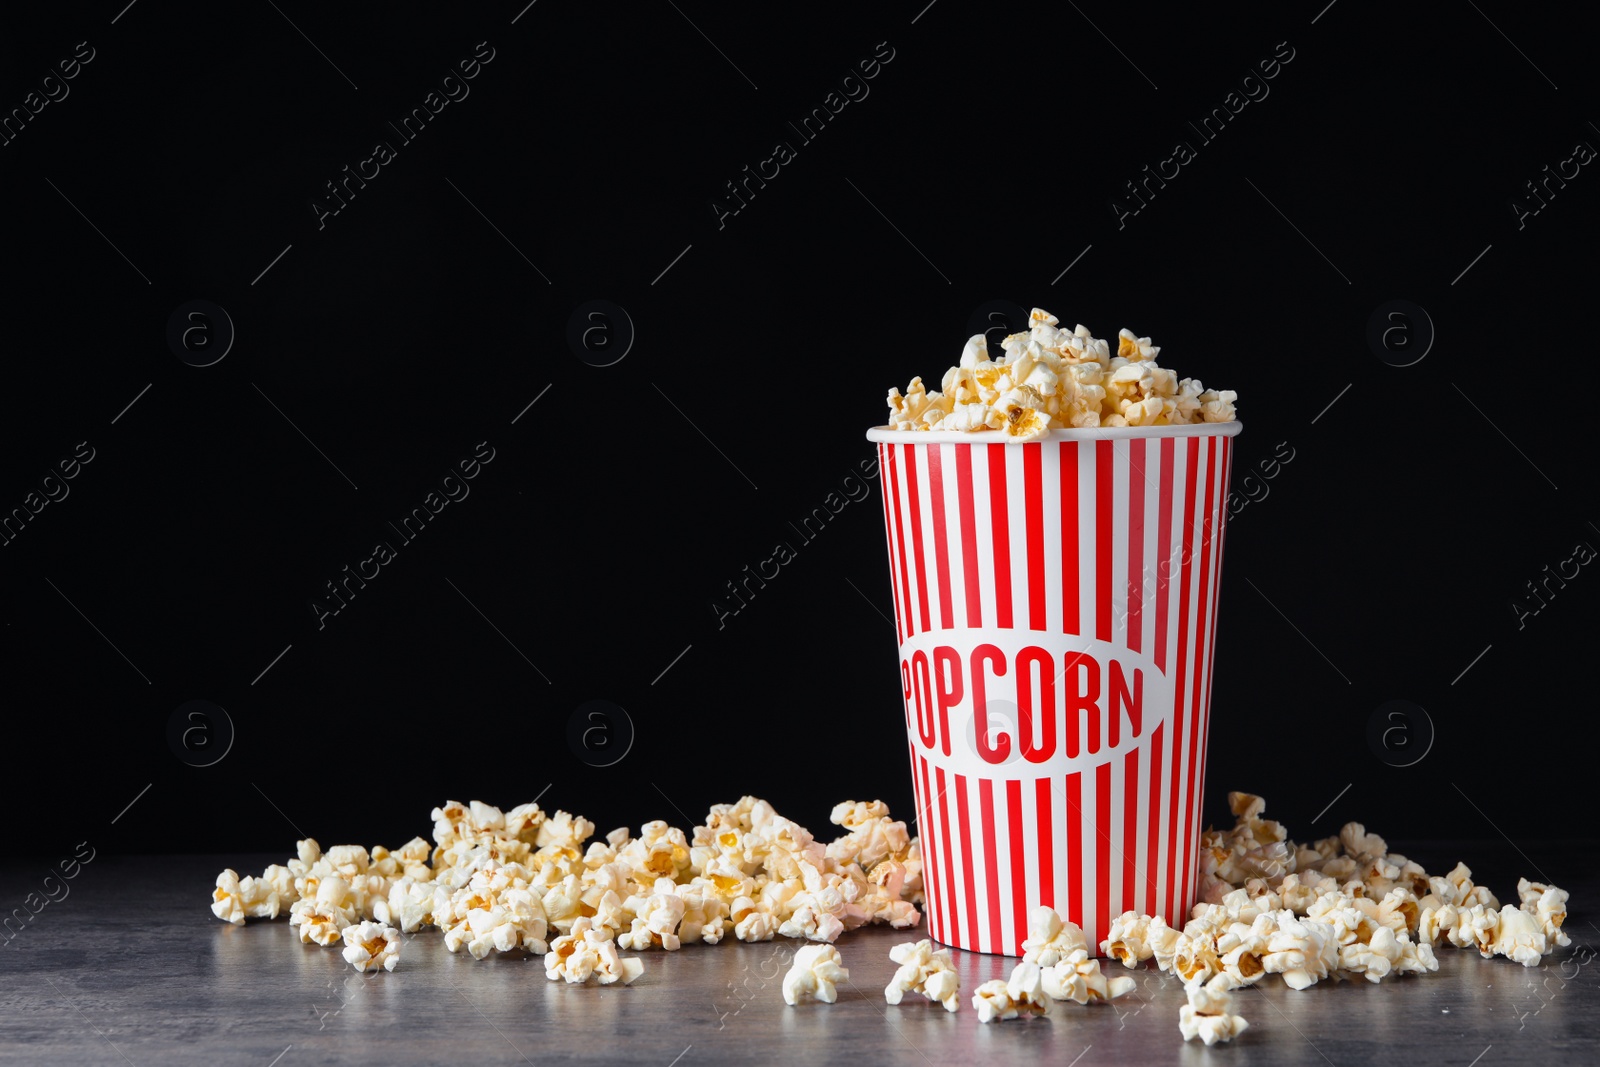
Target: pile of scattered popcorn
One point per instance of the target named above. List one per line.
(1341, 907)
(1049, 378)
(497, 881)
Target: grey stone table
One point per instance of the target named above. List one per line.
(130, 968)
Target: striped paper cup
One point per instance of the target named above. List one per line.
(1056, 603)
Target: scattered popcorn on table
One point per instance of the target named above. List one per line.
(813, 975)
(498, 881)
(1208, 1014)
(924, 970)
(369, 946)
(1021, 995)
(1047, 378)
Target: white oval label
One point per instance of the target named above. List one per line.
(1013, 703)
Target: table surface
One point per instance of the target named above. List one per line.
(131, 968)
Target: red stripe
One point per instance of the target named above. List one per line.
(888, 536)
(1154, 861)
(1163, 553)
(1130, 830)
(1070, 591)
(967, 865)
(1000, 530)
(1104, 494)
(1046, 836)
(1033, 481)
(928, 831)
(1019, 868)
(916, 532)
(900, 545)
(991, 863)
(1135, 543)
(1179, 878)
(1103, 846)
(969, 534)
(1197, 740)
(946, 861)
(941, 549)
(1075, 847)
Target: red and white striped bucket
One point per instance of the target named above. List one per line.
(1056, 603)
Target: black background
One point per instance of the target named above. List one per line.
(984, 160)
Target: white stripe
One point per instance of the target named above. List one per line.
(959, 863)
(952, 518)
(1086, 542)
(1002, 851)
(1032, 854)
(947, 853)
(932, 890)
(1152, 530)
(1141, 862)
(1050, 483)
(891, 505)
(1110, 846)
(908, 518)
(1121, 471)
(983, 531)
(1093, 849)
(930, 565)
(1017, 534)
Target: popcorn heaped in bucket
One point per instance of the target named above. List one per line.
(1048, 379)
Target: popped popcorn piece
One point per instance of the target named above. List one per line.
(1483, 925)
(369, 946)
(409, 905)
(752, 920)
(873, 837)
(1458, 888)
(496, 911)
(926, 971)
(1208, 1013)
(660, 851)
(279, 880)
(1046, 378)
(320, 918)
(1050, 938)
(1548, 905)
(1077, 978)
(1444, 921)
(1519, 937)
(564, 829)
(1194, 954)
(813, 921)
(656, 919)
(227, 900)
(588, 952)
(1163, 942)
(813, 975)
(1020, 995)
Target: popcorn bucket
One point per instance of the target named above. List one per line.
(1056, 604)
